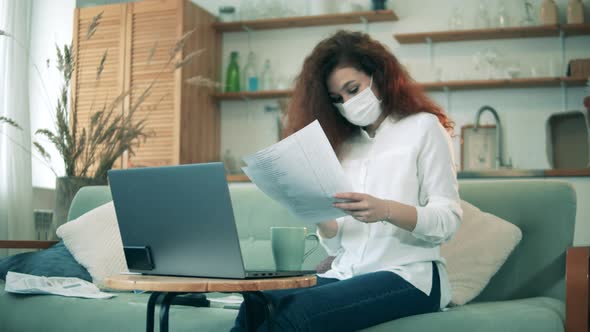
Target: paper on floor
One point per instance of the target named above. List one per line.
(71, 287)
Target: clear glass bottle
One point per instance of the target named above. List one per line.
(482, 16)
(456, 19)
(250, 78)
(503, 17)
(528, 18)
(232, 77)
(266, 78)
(229, 162)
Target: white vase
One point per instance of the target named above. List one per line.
(65, 189)
(575, 12)
(549, 12)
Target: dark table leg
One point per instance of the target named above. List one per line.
(249, 298)
(166, 299)
(165, 309)
(151, 308)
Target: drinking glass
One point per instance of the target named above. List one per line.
(503, 16)
(482, 16)
(456, 21)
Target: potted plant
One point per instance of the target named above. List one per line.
(89, 152)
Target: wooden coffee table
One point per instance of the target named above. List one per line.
(165, 289)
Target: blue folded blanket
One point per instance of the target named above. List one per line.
(55, 261)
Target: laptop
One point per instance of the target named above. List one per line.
(179, 221)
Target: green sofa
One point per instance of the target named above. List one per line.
(527, 294)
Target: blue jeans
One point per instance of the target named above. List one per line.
(344, 305)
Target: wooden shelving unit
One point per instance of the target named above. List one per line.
(252, 95)
(488, 34)
(432, 86)
(308, 21)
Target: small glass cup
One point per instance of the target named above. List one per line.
(456, 21)
(227, 13)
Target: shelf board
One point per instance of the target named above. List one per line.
(505, 83)
(488, 34)
(567, 172)
(237, 178)
(252, 95)
(535, 82)
(576, 29)
(307, 21)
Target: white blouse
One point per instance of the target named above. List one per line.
(409, 161)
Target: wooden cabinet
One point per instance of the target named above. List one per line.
(89, 94)
(138, 38)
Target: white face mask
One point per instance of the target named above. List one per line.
(362, 109)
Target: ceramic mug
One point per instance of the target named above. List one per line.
(288, 247)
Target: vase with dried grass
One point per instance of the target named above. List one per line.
(89, 152)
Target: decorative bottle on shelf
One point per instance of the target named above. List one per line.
(266, 77)
(502, 18)
(250, 81)
(232, 78)
(528, 19)
(575, 12)
(229, 162)
(549, 13)
(482, 16)
(378, 4)
(456, 21)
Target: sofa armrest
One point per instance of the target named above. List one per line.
(577, 293)
(26, 244)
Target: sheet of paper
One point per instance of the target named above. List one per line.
(230, 299)
(302, 173)
(72, 287)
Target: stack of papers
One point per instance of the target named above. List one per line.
(302, 173)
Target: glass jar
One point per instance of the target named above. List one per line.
(227, 14)
(266, 78)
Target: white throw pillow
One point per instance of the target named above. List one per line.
(95, 242)
(478, 249)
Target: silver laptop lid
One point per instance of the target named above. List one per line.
(177, 220)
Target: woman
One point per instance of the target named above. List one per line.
(393, 144)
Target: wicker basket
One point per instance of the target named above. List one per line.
(579, 68)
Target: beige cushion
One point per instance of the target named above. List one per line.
(95, 242)
(480, 246)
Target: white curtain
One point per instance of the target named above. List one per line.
(16, 190)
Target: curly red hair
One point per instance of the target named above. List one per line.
(400, 95)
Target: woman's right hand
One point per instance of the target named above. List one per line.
(328, 229)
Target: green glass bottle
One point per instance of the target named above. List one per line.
(232, 78)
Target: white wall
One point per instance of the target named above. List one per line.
(523, 112)
(52, 24)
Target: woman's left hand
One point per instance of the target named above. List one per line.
(363, 207)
